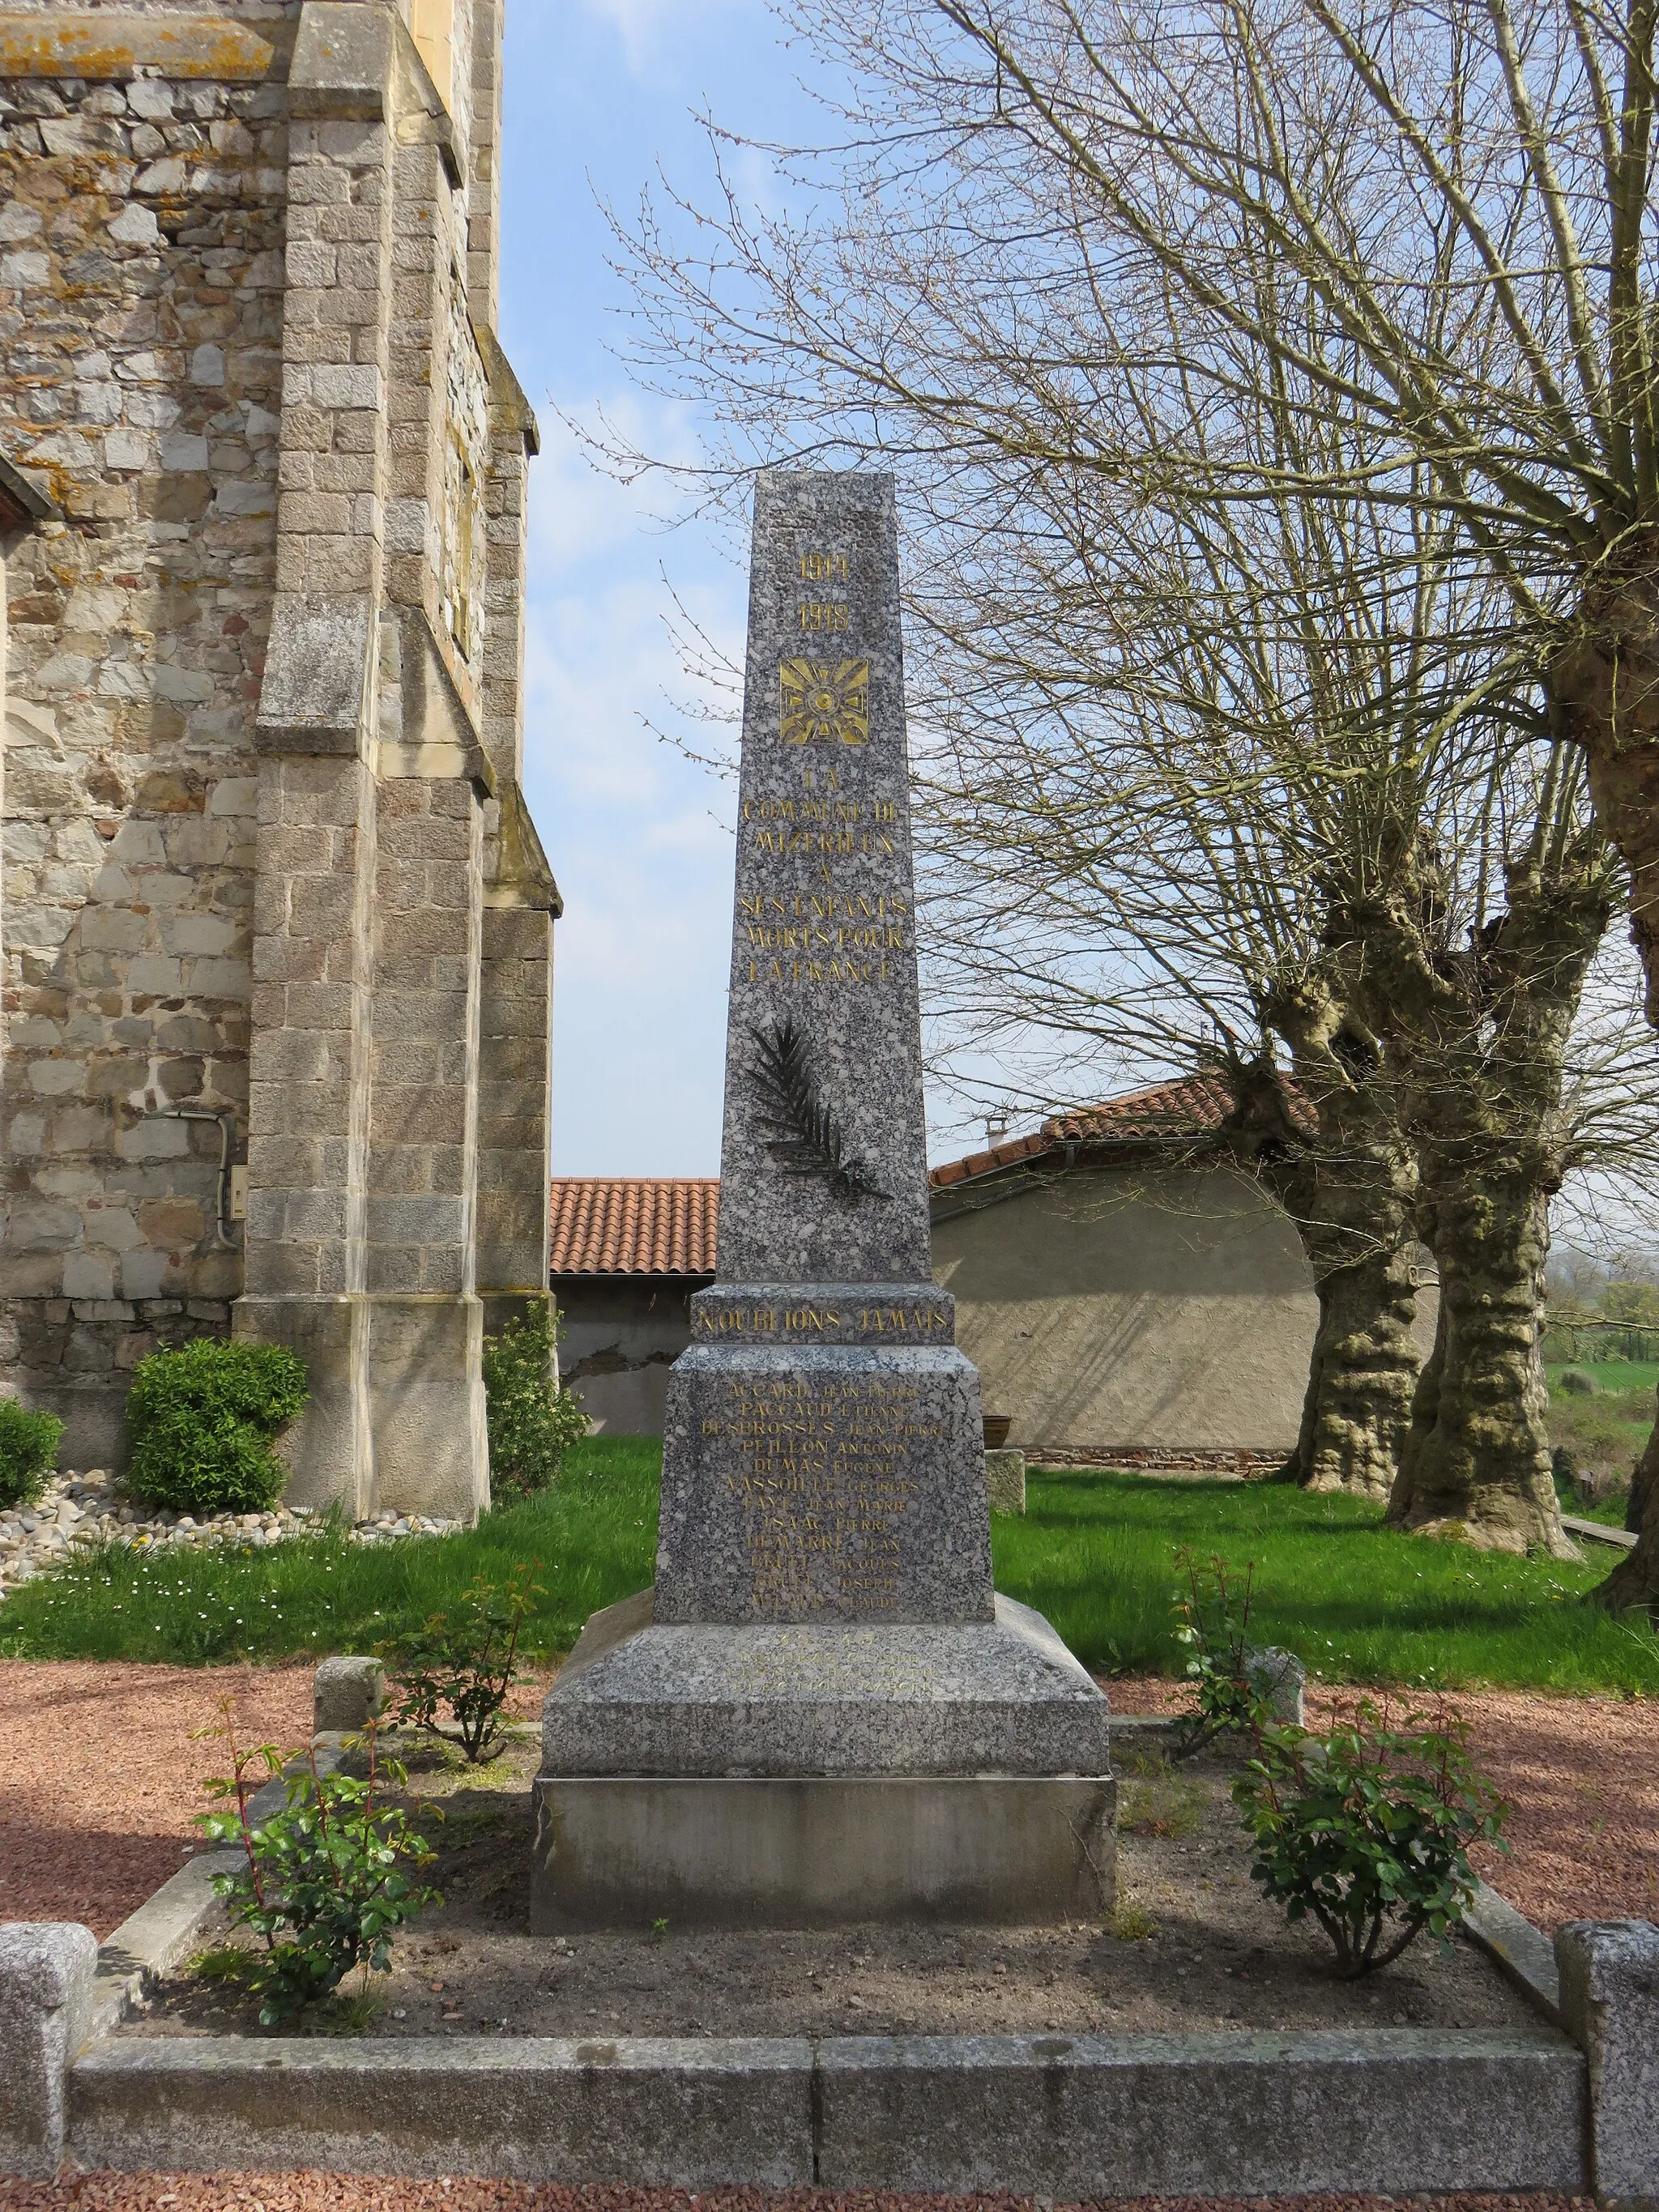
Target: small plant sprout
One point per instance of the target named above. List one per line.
(324, 1885)
(465, 1659)
(1213, 1622)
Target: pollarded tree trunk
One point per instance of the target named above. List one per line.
(1362, 1377)
(1635, 1581)
(1364, 1364)
(1476, 1463)
(1348, 1183)
(1604, 691)
(1487, 1031)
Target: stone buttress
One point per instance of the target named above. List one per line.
(273, 904)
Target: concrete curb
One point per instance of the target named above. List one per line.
(1398, 2113)
(1610, 1996)
(45, 1998)
(149, 1944)
(1394, 2112)
(691, 2114)
(1523, 1954)
(1599, 1532)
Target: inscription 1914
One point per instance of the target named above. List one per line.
(817, 1469)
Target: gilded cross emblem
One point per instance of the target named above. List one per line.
(825, 703)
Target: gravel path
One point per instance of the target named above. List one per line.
(330, 2192)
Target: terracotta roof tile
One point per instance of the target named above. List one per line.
(635, 1226)
(1195, 1106)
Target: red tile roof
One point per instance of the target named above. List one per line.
(1196, 1106)
(646, 1225)
(635, 1226)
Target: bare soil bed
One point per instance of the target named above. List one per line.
(1193, 1945)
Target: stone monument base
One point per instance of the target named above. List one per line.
(819, 1850)
(802, 1774)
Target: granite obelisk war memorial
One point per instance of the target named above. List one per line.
(822, 1712)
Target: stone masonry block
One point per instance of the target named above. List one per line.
(431, 1220)
(1609, 1972)
(317, 665)
(419, 1116)
(292, 1056)
(47, 1970)
(346, 1694)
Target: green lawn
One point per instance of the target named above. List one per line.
(595, 1537)
(1357, 1602)
(1094, 1551)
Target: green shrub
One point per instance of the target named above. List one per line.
(532, 1423)
(465, 1658)
(28, 1452)
(1368, 1828)
(324, 1884)
(199, 1425)
(1577, 1384)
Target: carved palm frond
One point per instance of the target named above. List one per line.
(802, 1132)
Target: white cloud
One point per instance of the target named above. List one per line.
(645, 27)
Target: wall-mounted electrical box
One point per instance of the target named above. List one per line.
(238, 1209)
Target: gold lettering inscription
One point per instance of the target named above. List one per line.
(824, 568)
(819, 1470)
(824, 614)
(824, 702)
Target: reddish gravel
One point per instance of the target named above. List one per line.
(332, 2192)
(98, 1776)
(100, 1779)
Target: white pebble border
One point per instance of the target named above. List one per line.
(79, 1511)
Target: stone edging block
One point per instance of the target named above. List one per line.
(46, 1969)
(1398, 2113)
(685, 2113)
(1235, 2113)
(1610, 2004)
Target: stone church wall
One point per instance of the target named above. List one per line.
(270, 894)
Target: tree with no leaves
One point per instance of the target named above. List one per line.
(1429, 224)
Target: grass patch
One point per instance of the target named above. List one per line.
(1163, 1803)
(1356, 1602)
(594, 1534)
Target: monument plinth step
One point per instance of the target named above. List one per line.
(820, 1850)
(1003, 1696)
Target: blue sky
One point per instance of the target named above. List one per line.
(597, 93)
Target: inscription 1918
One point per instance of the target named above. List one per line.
(818, 1469)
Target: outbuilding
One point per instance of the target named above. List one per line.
(1129, 1293)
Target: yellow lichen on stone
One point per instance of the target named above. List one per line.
(94, 46)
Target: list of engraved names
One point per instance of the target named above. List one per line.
(818, 1467)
